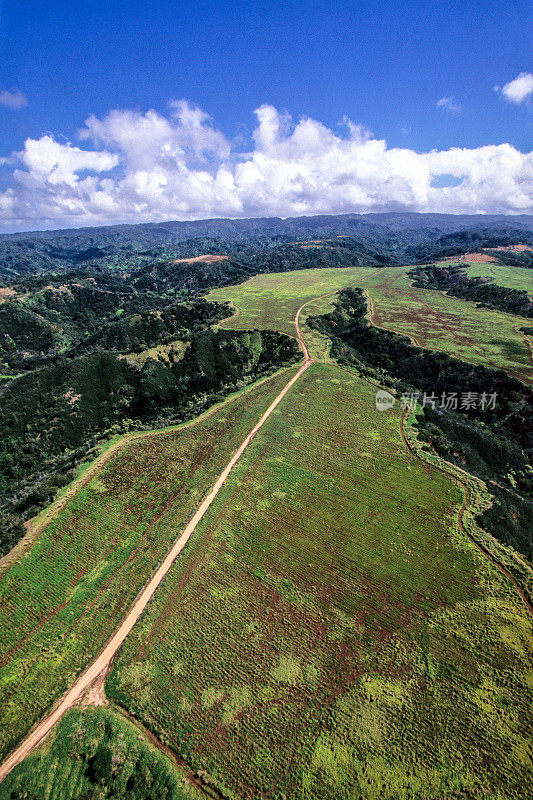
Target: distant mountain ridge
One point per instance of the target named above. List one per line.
(328, 223)
(392, 237)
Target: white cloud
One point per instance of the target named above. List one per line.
(48, 161)
(13, 99)
(519, 89)
(448, 104)
(151, 138)
(141, 167)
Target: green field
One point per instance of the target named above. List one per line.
(95, 754)
(511, 277)
(270, 302)
(59, 604)
(454, 326)
(430, 318)
(294, 653)
(520, 278)
(329, 632)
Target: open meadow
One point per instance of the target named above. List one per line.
(430, 318)
(331, 611)
(59, 604)
(270, 302)
(485, 264)
(481, 265)
(512, 277)
(438, 321)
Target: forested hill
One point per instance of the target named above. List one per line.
(402, 237)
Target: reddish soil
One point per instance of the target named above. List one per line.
(373, 318)
(207, 259)
(513, 248)
(473, 258)
(95, 695)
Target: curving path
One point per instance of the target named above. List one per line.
(460, 517)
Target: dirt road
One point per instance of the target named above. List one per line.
(102, 662)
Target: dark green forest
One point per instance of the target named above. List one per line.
(511, 259)
(401, 237)
(54, 416)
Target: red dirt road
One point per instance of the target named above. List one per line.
(100, 665)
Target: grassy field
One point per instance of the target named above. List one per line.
(328, 633)
(94, 754)
(511, 277)
(454, 326)
(432, 319)
(329, 614)
(62, 600)
(270, 302)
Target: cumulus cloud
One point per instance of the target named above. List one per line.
(519, 89)
(149, 166)
(448, 104)
(14, 99)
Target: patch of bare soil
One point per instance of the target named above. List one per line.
(95, 694)
(473, 258)
(207, 259)
(62, 289)
(513, 248)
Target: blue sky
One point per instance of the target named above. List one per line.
(384, 65)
